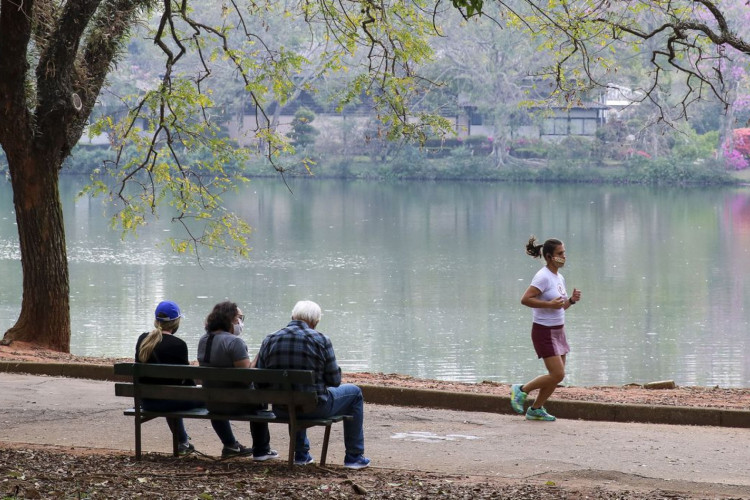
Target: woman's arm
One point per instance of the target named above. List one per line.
(531, 299)
(242, 363)
(238, 353)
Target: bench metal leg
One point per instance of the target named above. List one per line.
(292, 442)
(137, 437)
(325, 446)
(175, 444)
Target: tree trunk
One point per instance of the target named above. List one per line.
(500, 147)
(726, 130)
(45, 308)
(72, 46)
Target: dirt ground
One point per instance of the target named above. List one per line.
(54, 472)
(33, 473)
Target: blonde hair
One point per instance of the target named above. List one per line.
(154, 337)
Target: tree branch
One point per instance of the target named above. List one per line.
(15, 34)
(109, 29)
(55, 75)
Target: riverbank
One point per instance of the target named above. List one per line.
(411, 165)
(548, 162)
(632, 394)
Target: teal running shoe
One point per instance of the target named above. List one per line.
(539, 414)
(517, 398)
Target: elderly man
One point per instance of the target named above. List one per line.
(300, 347)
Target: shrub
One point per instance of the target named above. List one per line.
(690, 146)
(303, 134)
(670, 171)
(742, 140)
(528, 149)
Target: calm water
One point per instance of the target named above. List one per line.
(425, 279)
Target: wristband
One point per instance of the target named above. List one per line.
(571, 301)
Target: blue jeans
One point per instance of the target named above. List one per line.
(176, 425)
(343, 400)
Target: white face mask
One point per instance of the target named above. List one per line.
(237, 328)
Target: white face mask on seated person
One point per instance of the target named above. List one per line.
(237, 328)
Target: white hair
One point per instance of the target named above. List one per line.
(307, 311)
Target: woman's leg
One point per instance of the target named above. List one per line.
(547, 383)
(261, 438)
(223, 429)
(177, 427)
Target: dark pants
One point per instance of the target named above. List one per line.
(176, 425)
(258, 430)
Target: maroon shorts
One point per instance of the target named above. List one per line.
(549, 340)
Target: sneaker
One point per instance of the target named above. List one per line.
(359, 462)
(235, 451)
(539, 414)
(303, 459)
(185, 448)
(517, 398)
(269, 455)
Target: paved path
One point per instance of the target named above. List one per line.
(85, 413)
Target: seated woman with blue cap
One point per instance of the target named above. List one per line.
(161, 346)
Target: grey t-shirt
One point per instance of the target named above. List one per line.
(226, 348)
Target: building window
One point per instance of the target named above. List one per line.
(589, 127)
(576, 126)
(474, 117)
(561, 126)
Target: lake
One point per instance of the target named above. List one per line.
(425, 278)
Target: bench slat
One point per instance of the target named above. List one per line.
(205, 373)
(305, 400)
(265, 416)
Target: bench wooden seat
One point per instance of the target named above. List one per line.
(286, 390)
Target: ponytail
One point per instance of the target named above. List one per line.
(149, 343)
(533, 249)
(155, 336)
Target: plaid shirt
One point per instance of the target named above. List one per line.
(299, 347)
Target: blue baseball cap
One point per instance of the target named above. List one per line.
(167, 311)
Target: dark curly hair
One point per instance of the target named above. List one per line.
(222, 317)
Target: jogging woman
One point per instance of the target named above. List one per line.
(548, 299)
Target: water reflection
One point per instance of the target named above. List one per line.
(425, 278)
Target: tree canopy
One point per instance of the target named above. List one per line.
(694, 39)
(55, 56)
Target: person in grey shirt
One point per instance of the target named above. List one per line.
(222, 347)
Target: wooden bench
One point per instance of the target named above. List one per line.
(284, 391)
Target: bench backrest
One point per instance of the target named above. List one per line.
(286, 387)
